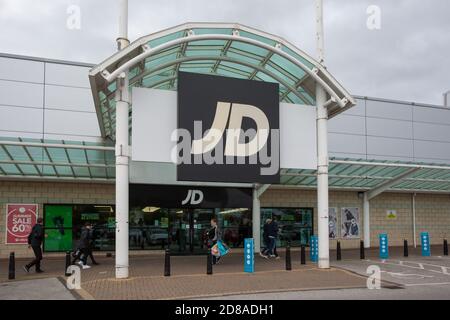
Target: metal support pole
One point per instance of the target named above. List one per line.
(302, 255)
(322, 152)
(167, 263)
(68, 263)
(288, 256)
(366, 207)
(12, 266)
(338, 251)
(256, 220)
(414, 219)
(122, 154)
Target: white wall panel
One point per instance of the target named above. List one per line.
(21, 94)
(69, 98)
(21, 70)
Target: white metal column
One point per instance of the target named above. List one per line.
(366, 208)
(256, 220)
(322, 152)
(122, 154)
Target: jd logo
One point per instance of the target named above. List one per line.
(236, 113)
(193, 197)
(228, 130)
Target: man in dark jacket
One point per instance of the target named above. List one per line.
(273, 236)
(266, 232)
(35, 241)
(84, 246)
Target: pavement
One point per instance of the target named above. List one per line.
(38, 289)
(405, 277)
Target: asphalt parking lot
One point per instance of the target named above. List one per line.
(407, 272)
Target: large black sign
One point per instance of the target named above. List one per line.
(189, 196)
(242, 117)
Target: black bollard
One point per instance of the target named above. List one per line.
(338, 251)
(362, 254)
(209, 268)
(302, 255)
(68, 263)
(445, 247)
(405, 248)
(167, 263)
(12, 267)
(288, 256)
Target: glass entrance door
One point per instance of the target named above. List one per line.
(187, 230)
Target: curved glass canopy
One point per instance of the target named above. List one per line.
(230, 50)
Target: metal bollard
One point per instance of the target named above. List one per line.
(405, 248)
(362, 254)
(209, 268)
(302, 255)
(338, 251)
(288, 256)
(167, 263)
(445, 247)
(68, 263)
(12, 266)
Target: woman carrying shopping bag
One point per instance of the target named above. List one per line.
(218, 248)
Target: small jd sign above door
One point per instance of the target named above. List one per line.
(228, 129)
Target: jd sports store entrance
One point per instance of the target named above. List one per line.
(180, 216)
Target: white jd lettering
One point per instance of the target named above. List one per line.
(233, 147)
(193, 197)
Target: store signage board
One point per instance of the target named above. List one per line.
(384, 246)
(249, 255)
(20, 219)
(155, 114)
(425, 240)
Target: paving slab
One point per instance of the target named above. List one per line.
(36, 289)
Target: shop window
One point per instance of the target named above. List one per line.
(294, 225)
(148, 228)
(235, 224)
(58, 228)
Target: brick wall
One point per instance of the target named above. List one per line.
(432, 210)
(47, 193)
(432, 213)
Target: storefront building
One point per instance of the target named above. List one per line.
(389, 161)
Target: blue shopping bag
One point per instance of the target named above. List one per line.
(223, 249)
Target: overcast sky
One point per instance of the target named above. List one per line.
(407, 59)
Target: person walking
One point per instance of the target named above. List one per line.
(273, 236)
(213, 235)
(35, 242)
(275, 228)
(266, 240)
(83, 247)
(90, 249)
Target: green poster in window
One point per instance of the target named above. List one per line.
(57, 216)
(58, 240)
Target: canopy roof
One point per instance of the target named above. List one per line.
(37, 159)
(225, 49)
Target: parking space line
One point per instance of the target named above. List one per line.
(411, 267)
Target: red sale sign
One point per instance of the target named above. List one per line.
(20, 219)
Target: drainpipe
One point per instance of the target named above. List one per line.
(366, 208)
(122, 154)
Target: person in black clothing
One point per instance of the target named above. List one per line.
(35, 241)
(84, 246)
(266, 231)
(213, 235)
(273, 236)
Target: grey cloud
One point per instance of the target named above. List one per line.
(407, 59)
